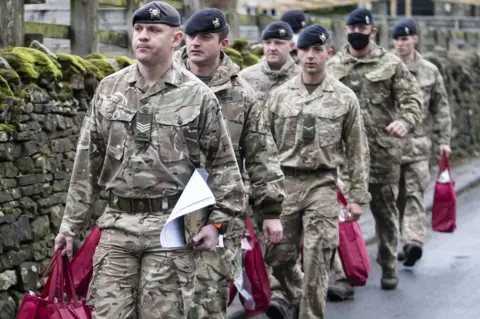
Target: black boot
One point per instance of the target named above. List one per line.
(277, 310)
(340, 290)
(413, 253)
(389, 279)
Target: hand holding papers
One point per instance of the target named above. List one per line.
(195, 196)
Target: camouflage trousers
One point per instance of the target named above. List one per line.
(134, 277)
(312, 209)
(385, 212)
(216, 271)
(415, 178)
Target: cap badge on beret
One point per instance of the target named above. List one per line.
(367, 20)
(216, 22)
(322, 37)
(407, 30)
(303, 23)
(282, 32)
(154, 13)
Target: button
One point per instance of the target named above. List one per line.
(137, 169)
(109, 116)
(116, 115)
(141, 206)
(137, 191)
(180, 122)
(144, 110)
(144, 101)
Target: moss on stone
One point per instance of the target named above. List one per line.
(258, 51)
(240, 45)
(7, 128)
(234, 55)
(103, 66)
(249, 59)
(30, 63)
(10, 76)
(7, 210)
(74, 64)
(4, 89)
(95, 56)
(123, 61)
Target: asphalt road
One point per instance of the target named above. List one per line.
(444, 284)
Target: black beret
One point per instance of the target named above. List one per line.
(360, 16)
(404, 28)
(312, 35)
(209, 20)
(277, 30)
(295, 18)
(157, 12)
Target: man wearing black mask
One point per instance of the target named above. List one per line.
(391, 105)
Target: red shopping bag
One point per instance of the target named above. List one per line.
(82, 262)
(50, 304)
(352, 249)
(254, 286)
(444, 210)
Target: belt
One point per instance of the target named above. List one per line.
(290, 171)
(142, 205)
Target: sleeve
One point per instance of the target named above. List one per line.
(261, 161)
(84, 188)
(408, 96)
(357, 153)
(440, 110)
(224, 178)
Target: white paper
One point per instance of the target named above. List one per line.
(444, 177)
(220, 241)
(244, 287)
(195, 196)
(341, 215)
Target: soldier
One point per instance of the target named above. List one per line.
(150, 125)
(391, 106)
(415, 174)
(311, 116)
(207, 36)
(298, 21)
(277, 66)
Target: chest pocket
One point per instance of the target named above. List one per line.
(116, 126)
(329, 123)
(174, 129)
(285, 126)
(378, 85)
(233, 110)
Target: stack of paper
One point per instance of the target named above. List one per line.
(195, 196)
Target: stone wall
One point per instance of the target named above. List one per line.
(43, 99)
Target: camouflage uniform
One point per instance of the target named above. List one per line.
(264, 80)
(309, 130)
(134, 277)
(387, 92)
(415, 174)
(256, 151)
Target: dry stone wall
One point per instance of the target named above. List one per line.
(43, 99)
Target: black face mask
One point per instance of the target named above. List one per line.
(358, 41)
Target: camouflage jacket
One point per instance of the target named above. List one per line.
(264, 80)
(252, 140)
(436, 112)
(187, 132)
(310, 131)
(387, 92)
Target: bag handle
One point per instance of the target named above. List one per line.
(56, 276)
(251, 232)
(444, 165)
(68, 280)
(46, 288)
(341, 197)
